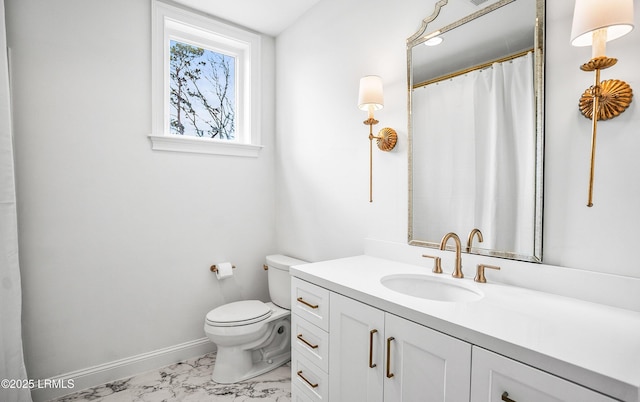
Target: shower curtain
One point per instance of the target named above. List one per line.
(483, 144)
(11, 357)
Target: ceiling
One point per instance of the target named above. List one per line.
(270, 17)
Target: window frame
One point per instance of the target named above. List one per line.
(171, 22)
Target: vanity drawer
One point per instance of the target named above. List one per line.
(297, 395)
(308, 379)
(310, 302)
(310, 341)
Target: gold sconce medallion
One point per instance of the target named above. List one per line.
(614, 96)
(386, 139)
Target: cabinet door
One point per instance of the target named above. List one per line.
(355, 344)
(497, 378)
(424, 365)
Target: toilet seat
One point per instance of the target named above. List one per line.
(238, 313)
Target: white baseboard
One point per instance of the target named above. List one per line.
(123, 368)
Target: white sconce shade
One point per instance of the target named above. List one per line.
(370, 96)
(616, 16)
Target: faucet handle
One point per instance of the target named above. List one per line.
(437, 265)
(480, 278)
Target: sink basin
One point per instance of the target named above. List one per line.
(432, 288)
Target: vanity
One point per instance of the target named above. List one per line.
(355, 338)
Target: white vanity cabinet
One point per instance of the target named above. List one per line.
(498, 378)
(344, 350)
(513, 344)
(376, 356)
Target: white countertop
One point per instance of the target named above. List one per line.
(593, 345)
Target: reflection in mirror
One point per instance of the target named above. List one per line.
(475, 126)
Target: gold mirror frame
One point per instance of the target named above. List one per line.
(539, 39)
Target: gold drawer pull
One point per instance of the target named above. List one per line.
(305, 380)
(371, 363)
(505, 397)
(306, 342)
(389, 373)
(306, 303)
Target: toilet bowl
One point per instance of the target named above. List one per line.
(254, 337)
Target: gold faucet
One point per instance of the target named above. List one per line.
(457, 273)
(470, 239)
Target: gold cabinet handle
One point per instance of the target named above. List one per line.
(305, 380)
(505, 397)
(389, 373)
(371, 363)
(306, 303)
(306, 342)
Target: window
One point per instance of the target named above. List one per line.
(205, 84)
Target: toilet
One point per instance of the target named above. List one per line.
(254, 337)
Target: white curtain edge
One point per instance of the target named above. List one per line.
(12, 367)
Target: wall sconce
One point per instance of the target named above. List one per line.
(370, 98)
(596, 22)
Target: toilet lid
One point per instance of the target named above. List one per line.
(238, 313)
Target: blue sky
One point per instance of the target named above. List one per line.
(206, 87)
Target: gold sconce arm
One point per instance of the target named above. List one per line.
(602, 101)
(386, 140)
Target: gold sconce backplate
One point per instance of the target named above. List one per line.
(387, 139)
(614, 98)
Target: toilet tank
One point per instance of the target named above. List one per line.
(279, 279)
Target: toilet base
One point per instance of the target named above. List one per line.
(238, 363)
(259, 368)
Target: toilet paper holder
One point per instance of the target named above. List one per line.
(214, 268)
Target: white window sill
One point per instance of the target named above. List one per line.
(203, 146)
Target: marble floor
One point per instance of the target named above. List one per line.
(190, 381)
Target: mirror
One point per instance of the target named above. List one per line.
(476, 106)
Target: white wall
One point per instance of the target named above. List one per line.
(322, 145)
(116, 240)
(322, 150)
